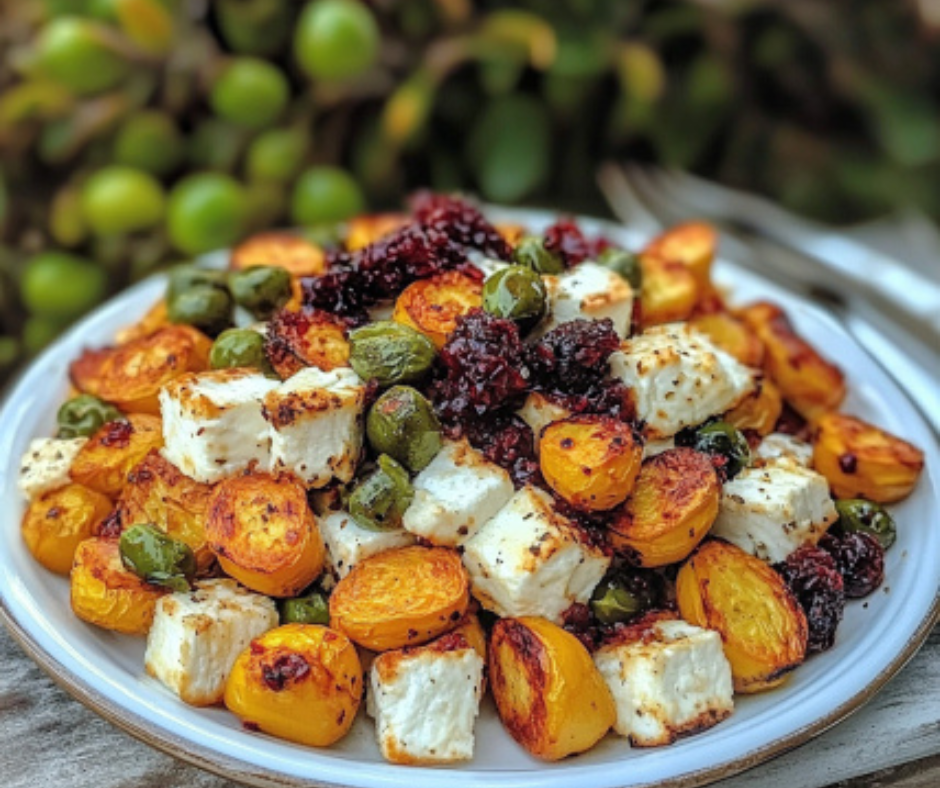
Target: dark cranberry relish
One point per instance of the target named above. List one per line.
(814, 579)
(566, 239)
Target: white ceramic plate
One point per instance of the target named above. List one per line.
(105, 671)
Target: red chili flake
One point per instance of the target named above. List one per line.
(117, 434)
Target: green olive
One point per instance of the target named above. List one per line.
(206, 211)
(402, 424)
(277, 155)
(84, 415)
(78, 54)
(118, 199)
(336, 39)
(261, 289)
(620, 597)
(325, 194)
(378, 503)
(722, 441)
(44, 294)
(531, 252)
(186, 277)
(149, 140)
(516, 293)
(857, 514)
(310, 608)
(238, 347)
(205, 307)
(250, 92)
(624, 263)
(157, 558)
(390, 353)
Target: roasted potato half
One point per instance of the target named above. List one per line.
(759, 411)
(674, 503)
(550, 696)
(296, 340)
(158, 492)
(131, 375)
(763, 627)
(55, 524)
(155, 318)
(433, 305)
(364, 230)
(511, 233)
(104, 463)
(401, 597)
(732, 336)
(300, 682)
(693, 244)
(104, 593)
(807, 381)
(471, 630)
(298, 256)
(590, 461)
(668, 293)
(264, 533)
(860, 460)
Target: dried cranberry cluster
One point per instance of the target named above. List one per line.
(508, 442)
(460, 221)
(814, 579)
(566, 239)
(860, 559)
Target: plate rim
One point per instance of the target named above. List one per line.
(231, 767)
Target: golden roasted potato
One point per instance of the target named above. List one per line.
(470, 629)
(433, 305)
(763, 627)
(511, 233)
(265, 535)
(55, 524)
(131, 375)
(674, 503)
(296, 340)
(693, 244)
(104, 463)
(155, 318)
(806, 380)
(860, 460)
(158, 492)
(364, 230)
(668, 293)
(298, 256)
(732, 336)
(104, 593)
(590, 461)
(550, 696)
(401, 597)
(300, 682)
(759, 411)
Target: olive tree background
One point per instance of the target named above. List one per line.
(294, 113)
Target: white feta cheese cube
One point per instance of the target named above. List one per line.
(528, 560)
(679, 378)
(196, 637)
(347, 543)
(316, 424)
(588, 291)
(455, 494)
(45, 465)
(212, 423)
(779, 445)
(773, 510)
(425, 702)
(666, 679)
(538, 411)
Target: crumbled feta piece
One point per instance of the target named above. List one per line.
(45, 465)
(196, 637)
(773, 510)
(538, 411)
(348, 543)
(425, 702)
(316, 424)
(778, 445)
(528, 560)
(588, 291)
(668, 679)
(679, 378)
(212, 423)
(455, 494)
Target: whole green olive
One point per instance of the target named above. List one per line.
(310, 608)
(157, 558)
(390, 352)
(531, 252)
(402, 425)
(857, 514)
(204, 307)
(238, 347)
(624, 263)
(516, 293)
(84, 415)
(187, 276)
(378, 503)
(261, 289)
(722, 441)
(620, 596)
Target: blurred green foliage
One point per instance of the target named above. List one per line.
(137, 132)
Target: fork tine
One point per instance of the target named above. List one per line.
(667, 210)
(624, 200)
